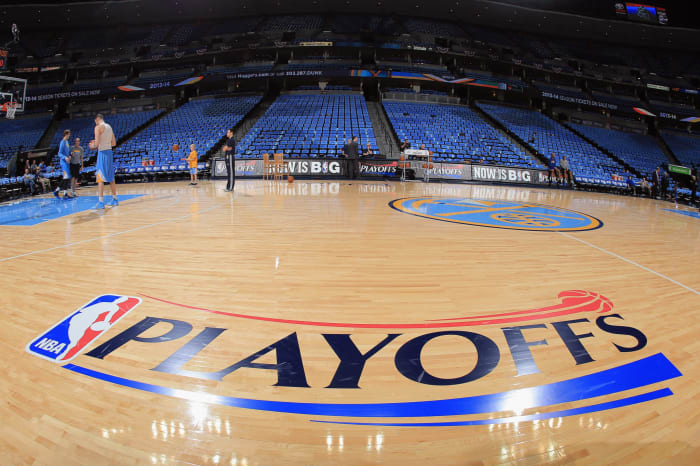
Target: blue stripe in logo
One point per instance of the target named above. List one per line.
(646, 371)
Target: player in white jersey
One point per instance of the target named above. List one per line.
(104, 170)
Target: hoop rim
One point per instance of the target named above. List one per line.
(10, 108)
(10, 105)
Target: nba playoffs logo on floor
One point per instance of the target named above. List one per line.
(497, 214)
(576, 321)
(406, 340)
(68, 338)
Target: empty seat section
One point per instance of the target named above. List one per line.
(84, 128)
(309, 125)
(455, 134)
(588, 163)
(685, 147)
(24, 132)
(640, 151)
(201, 122)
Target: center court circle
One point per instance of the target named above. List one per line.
(497, 214)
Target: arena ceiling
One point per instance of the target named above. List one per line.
(582, 19)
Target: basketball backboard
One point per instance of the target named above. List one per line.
(12, 90)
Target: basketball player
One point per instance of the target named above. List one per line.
(553, 170)
(229, 152)
(64, 159)
(104, 142)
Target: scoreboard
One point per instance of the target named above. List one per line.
(641, 13)
(3, 59)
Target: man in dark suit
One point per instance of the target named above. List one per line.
(664, 184)
(353, 153)
(694, 183)
(229, 154)
(344, 150)
(655, 183)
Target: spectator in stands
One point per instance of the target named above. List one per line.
(43, 181)
(405, 145)
(533, 137)
(28, 179)
(353, 155)
(368, 150)
(553, 170)
(655, 183)
(645, 187)
(631, 186)
(33, 168)
(482, 161)
(76, 164)
(12, 164)
(565, 170)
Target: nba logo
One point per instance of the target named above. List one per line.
(72, 335)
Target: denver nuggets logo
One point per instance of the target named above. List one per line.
(497, 214)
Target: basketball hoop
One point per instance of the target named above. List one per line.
(10, 108)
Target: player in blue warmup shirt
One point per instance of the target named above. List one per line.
(553, 170)
(64, 158)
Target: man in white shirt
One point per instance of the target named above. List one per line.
(104, 169)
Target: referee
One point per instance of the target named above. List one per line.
(229, 153)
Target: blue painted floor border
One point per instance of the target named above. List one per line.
(28, 212)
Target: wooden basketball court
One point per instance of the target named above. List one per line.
(315, 323)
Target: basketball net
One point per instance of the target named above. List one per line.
(10, 108)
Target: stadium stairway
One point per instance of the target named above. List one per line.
(666, 148)
(46, 138)
(150, 122)
(252, 117)
(498, 126)
(383, 131)
(242, 128)
(605, 151)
